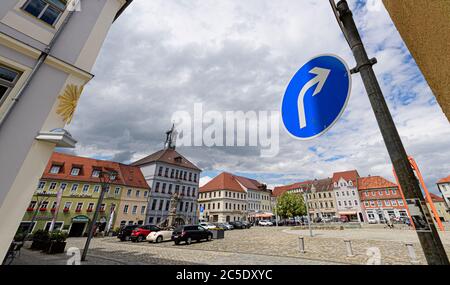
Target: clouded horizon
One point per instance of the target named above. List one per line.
(163, 56)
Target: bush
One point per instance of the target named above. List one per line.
(41, 235)
(59, 236)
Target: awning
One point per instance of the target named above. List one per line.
(261, 215)
(347, 213)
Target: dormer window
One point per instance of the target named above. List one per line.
(96, 173)
(350, 183)
(178, 159)
(75, 171)
(55, 169)
(48, 11)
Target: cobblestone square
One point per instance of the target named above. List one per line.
(255, 246)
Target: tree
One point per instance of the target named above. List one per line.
(290, 205)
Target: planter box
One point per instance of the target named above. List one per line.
(56, 247)
(40, 245)
(218, 234)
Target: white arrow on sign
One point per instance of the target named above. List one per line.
(322, 75)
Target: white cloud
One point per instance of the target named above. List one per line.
(162, 56)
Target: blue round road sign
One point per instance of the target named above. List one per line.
(316, 97)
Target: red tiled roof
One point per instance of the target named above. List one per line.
(126, 175)
(170, 156)
(280, 190)
(248, 182)
(223, 181)
(374, 182)
(445, 180)
(436, 198)
(347, 175)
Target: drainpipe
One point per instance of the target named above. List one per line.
(36, 67)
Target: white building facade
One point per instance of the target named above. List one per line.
(167, 172)
(444, 187)
(229, 197)
(47, 51)
(348, 203)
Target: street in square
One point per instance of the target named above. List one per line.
(255, 246)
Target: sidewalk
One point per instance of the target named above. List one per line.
(29, 257)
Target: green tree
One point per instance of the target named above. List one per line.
(290, 205)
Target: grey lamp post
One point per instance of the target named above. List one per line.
(105, 177)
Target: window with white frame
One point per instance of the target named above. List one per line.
(74, 188)
(48, 11)
(67, 205)
(134, 211)
(125, 209)
(53, 186)
(96, 173)
(394, 203)
(85, 188)
(8, 79)
(142, 210)
(55, 169)
(63, 186)
(387, 203)
(400, 202)
(90, 207)
(79, 207)
(75, 171)
(96, 188)
(41, 185)
(138, 193)
(117, 191)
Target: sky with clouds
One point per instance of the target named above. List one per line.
(163, 56)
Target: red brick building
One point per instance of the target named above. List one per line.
(381, 199)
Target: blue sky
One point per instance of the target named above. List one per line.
(163, 56)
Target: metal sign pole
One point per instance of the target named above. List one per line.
(426, 231)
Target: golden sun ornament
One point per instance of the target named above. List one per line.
(68, 102)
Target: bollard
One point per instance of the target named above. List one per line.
(301, 243)
(348, 245)
(412, 253)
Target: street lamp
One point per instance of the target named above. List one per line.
(105, 177)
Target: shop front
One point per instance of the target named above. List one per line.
(78, 226)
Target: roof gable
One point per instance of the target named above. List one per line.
(126, 175)
(223, 181)
(445, 180)
(350, 175)
(374, 182)
(169, 156)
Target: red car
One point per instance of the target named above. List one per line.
(141, 232)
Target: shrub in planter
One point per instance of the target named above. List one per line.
(57, 242)
(41, 240)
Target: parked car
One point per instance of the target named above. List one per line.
(265, 223)
(224, 226)
(160, 236)
(189, 233)
(247, 224)
(140, 233)
(125, 232)
(208, 226)
(238, 225)
(318, 220)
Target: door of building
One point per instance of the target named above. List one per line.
(76, 230)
